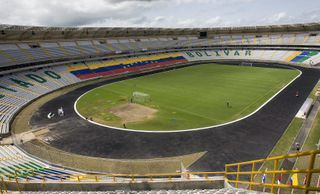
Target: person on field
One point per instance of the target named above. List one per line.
(298, 147)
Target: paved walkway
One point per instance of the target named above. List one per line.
(300, 138)
(24, 137)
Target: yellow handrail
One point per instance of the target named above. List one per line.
(228, 174)
(97, 177)
(275, 172)
(277, 185)
(299, 154)
(309, 171)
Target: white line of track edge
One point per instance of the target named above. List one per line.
(184, 130)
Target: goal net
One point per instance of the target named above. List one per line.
(246, 64)
(140, 98)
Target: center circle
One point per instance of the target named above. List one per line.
(188, 98)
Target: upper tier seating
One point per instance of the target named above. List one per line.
(21, 53)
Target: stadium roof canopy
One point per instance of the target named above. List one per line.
(29, 33)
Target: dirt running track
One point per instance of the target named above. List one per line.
(248, 139)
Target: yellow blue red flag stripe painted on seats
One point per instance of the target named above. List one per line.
(124, 65)
(293, 55)
(303, 56)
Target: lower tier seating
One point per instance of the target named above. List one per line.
(15, 164)
(17, 89)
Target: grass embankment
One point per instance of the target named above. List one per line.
(310, 144)
(283, 145)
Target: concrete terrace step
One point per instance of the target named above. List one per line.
(195, 191)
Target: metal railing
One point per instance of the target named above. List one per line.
(233, 174)
(26, 176)
(247, 174)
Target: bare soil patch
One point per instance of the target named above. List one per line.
(131, 112)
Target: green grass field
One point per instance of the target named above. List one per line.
(191, 97)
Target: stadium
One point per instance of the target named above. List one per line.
(160, 110)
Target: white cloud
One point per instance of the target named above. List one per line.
(215, 21)
(68, 12)
(278, 17)
(155, 13)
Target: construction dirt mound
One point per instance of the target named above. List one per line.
(133, 112)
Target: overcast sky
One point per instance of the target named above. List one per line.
(158, 13)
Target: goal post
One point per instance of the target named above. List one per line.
(140, 98)
(248, 64)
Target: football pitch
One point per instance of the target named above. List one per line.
(186, 98)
